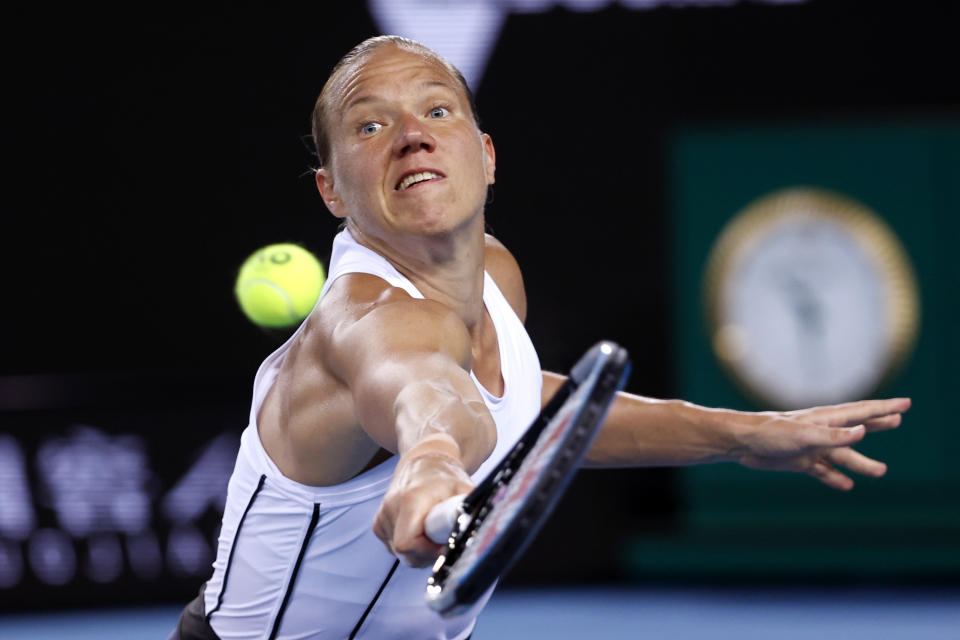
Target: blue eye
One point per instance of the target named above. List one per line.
(439, 112)
(370, 128)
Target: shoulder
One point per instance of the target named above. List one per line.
(363, 317)
(505, 271)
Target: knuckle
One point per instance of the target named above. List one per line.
(403, 547)
(409, 550)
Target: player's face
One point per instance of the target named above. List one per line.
(406, 155)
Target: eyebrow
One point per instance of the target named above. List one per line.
(366, 98)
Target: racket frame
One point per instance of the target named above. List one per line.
(593, 383)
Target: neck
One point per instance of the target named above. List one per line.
(445, 267)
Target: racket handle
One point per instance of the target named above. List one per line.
(442, 517)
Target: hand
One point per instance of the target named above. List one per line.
(816, 441)
(421, 480)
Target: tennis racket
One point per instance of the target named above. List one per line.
(486, 531)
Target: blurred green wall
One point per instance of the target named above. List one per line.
(737, 522)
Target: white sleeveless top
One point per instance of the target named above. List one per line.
(305, 563)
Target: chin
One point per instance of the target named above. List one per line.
(436, 223)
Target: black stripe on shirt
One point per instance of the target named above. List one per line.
(233, 547)
(296, 569)
(356, 629)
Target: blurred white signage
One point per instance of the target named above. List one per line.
(103, 493)
(465, 31)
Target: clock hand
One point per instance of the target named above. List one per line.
(808, 312)
(805, 303)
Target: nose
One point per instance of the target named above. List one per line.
(413, 136)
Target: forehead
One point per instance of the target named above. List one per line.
(390, 67)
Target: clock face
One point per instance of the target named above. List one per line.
(810, 299)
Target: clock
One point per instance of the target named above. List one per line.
(810, 299)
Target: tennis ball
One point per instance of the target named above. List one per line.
(278, 285)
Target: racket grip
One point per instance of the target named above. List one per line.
(442, 517)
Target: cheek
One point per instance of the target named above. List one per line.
(359, 174)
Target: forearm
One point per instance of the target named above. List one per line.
(641, 432)
(441, 417)
(644, 432)
(442, 436)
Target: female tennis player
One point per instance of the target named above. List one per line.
(414, 375)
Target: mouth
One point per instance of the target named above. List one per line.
(415, 177)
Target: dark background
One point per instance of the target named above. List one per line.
(149, 152)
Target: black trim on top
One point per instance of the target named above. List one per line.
(314, 519)
(356, 629)
(233, 547)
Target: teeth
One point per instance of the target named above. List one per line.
(414, 178)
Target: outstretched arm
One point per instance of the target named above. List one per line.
(406, 364)
(643, 432)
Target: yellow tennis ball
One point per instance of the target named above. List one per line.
(279, 285)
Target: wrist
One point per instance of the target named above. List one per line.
(723, 431)
(437, 445)
(432, 462)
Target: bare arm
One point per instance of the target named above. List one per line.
(406, 364)
(647, 432)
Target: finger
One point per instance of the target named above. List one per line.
(856, 462)
(419, 552)
(381, 528)
(851, 413)
(409, 540)
(818, 435)
(830, 476)
(884, 423)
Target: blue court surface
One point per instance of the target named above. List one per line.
(562, 614)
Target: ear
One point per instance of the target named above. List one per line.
(326, 188)
(489, 157)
